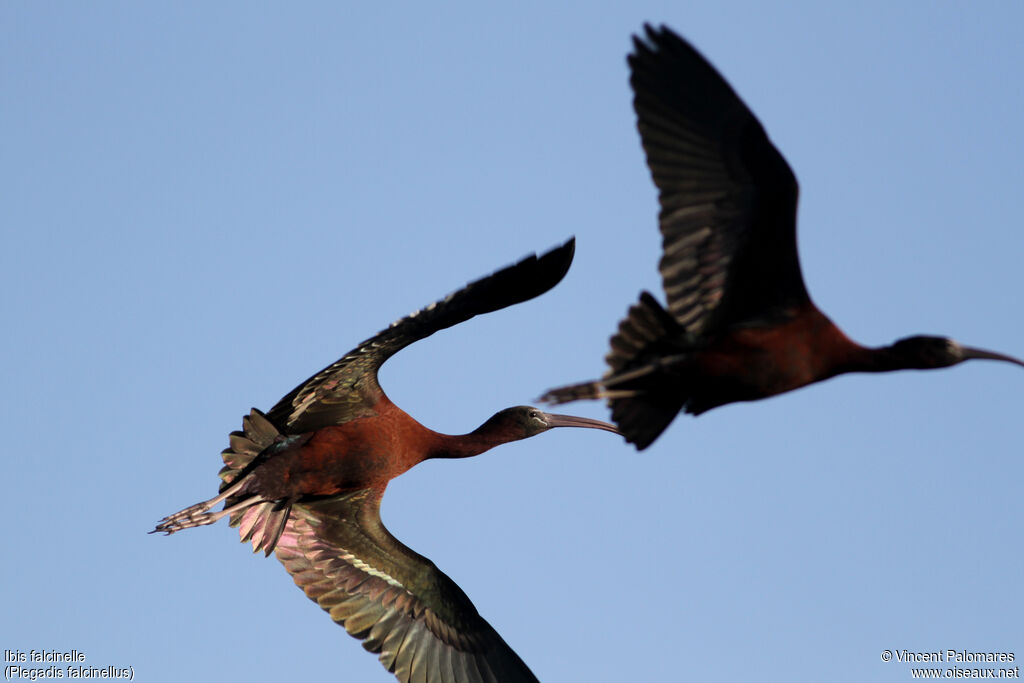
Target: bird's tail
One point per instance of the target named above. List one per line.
(643, 417)
(261, 521)
(642, 403)
(644, 394)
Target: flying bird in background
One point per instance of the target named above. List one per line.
(739, 324)
(305, 480)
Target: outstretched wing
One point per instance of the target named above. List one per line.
(404, 609)
(728, 197)
(348, 388)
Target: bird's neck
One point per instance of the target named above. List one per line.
(413, 443)
(476, 442)
(873, 359)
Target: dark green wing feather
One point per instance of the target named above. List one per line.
(416, 619)
(348, 388)
(728, 198)
(403, 608)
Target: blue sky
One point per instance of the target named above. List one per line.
(203, 205)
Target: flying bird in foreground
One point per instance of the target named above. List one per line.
(305, 480)
(739, 325)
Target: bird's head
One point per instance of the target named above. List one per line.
(926, 353)
(521, 422)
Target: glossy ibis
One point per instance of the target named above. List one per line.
(306, 480)
(739, 325)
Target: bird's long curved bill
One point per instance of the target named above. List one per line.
(972, 353)
(555, 420)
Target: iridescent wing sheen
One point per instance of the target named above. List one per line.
(416, 619)
(348, 388)
(404, 609)
(728, 197)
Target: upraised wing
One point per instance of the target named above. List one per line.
(728, 197)
(348, 388)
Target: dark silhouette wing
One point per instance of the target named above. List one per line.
(348, 388)
(404, 609)
(728, 198)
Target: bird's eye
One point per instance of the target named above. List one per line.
(535, 414)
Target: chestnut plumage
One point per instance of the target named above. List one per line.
(739, 324)
(305, 481)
